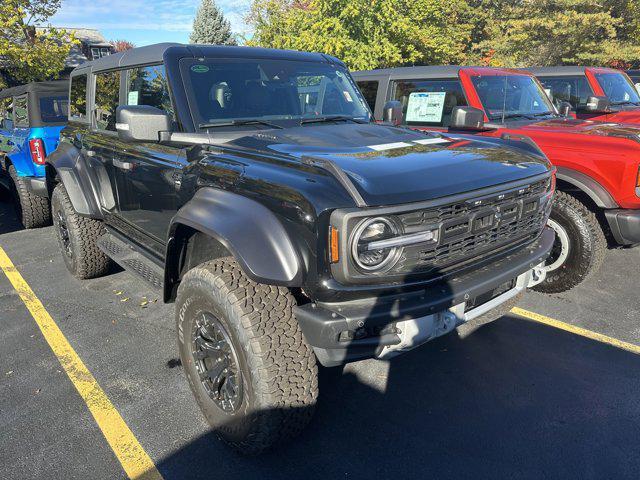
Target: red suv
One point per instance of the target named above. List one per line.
(597, 163)
(604, 94)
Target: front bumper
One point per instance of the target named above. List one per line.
(347, 331)
(624, 225)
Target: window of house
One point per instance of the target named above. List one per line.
(149, 86)
(78, 98)
(369, 89)
(20, 111)
(572, 89)
(428, 102)
(107, 99)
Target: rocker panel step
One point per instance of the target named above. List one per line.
(131, 258)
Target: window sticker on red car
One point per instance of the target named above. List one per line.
(425, 106)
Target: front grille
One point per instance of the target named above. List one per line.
(474, 228)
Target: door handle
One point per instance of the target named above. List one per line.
(122, 165)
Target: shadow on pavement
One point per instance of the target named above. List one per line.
(515, 399)
(8, 219)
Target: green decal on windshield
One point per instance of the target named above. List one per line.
(199, 68)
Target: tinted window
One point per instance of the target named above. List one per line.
(369, 89)
(78, 102)
(6, 112)
(54, 109)
(148, 86)
(575, 90)
(511, 95)
(20, 111)
(618, 89)
(223, 89)
(107, 98)
(428, 102)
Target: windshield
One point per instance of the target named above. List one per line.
(618, 88)
(234, 90)
(54, 109)
(512, 96)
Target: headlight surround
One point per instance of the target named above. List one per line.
(373, 230)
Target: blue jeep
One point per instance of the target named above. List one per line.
(31, 117)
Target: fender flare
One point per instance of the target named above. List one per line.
(594, 190)
(249, 230)
(68, 164)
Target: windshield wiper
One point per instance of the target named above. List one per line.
(236, 123)
(542, 114)
(331, 118)
(511, 115)
(626, 102)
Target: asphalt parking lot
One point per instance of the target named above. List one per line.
(516, 399)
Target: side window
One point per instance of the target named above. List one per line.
(20, 111)
(149, 86)
(6, 113)
(78, 100)
(428, 102)
(107, 99)
(369, 89)
(574, 89)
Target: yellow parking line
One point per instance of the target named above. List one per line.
(536, 317)
(134, 460)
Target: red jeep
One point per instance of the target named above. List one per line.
(598, 163)
(604, 94)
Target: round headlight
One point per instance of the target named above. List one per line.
(367, 232)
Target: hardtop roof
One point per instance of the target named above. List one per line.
(435, 71)
(565, 70)
(56, 86)
(156, 53)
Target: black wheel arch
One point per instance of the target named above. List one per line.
(217, 223)
(569, 179)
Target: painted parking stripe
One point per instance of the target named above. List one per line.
(536, 317)
(134, 460)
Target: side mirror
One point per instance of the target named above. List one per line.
(141, 123)
(565, 109)
(467, 118)
(392, 112)
(598, 105)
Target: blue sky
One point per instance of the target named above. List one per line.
(143, 21)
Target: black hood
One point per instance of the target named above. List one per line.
(390, 165)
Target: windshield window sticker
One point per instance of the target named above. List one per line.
(425, 107)
(347, 96)
(199, 68)
(132, 98)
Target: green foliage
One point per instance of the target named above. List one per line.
(367, 33)
(210, 26)
(28, 55)
(386, 33)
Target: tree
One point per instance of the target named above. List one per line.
(122, 45)
(367, 33)
(210, 26)
(557, 32)
(28, 54)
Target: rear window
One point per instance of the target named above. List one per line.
(572, 89)
(369, 89)
(428, 102)
(78, 99)
(54, 109)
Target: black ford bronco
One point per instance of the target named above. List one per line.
(251, 187)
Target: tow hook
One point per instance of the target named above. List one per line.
(538, 274)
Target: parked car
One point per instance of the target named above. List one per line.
(598, 164)
(250, 187)
(31, 117)
(602, 94)
(634, 75)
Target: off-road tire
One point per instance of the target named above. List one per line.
(587, 245)
(85, 259)
(278, 368)
(32, 210)
(500, 311)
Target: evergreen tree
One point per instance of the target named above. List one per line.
(210, 26)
